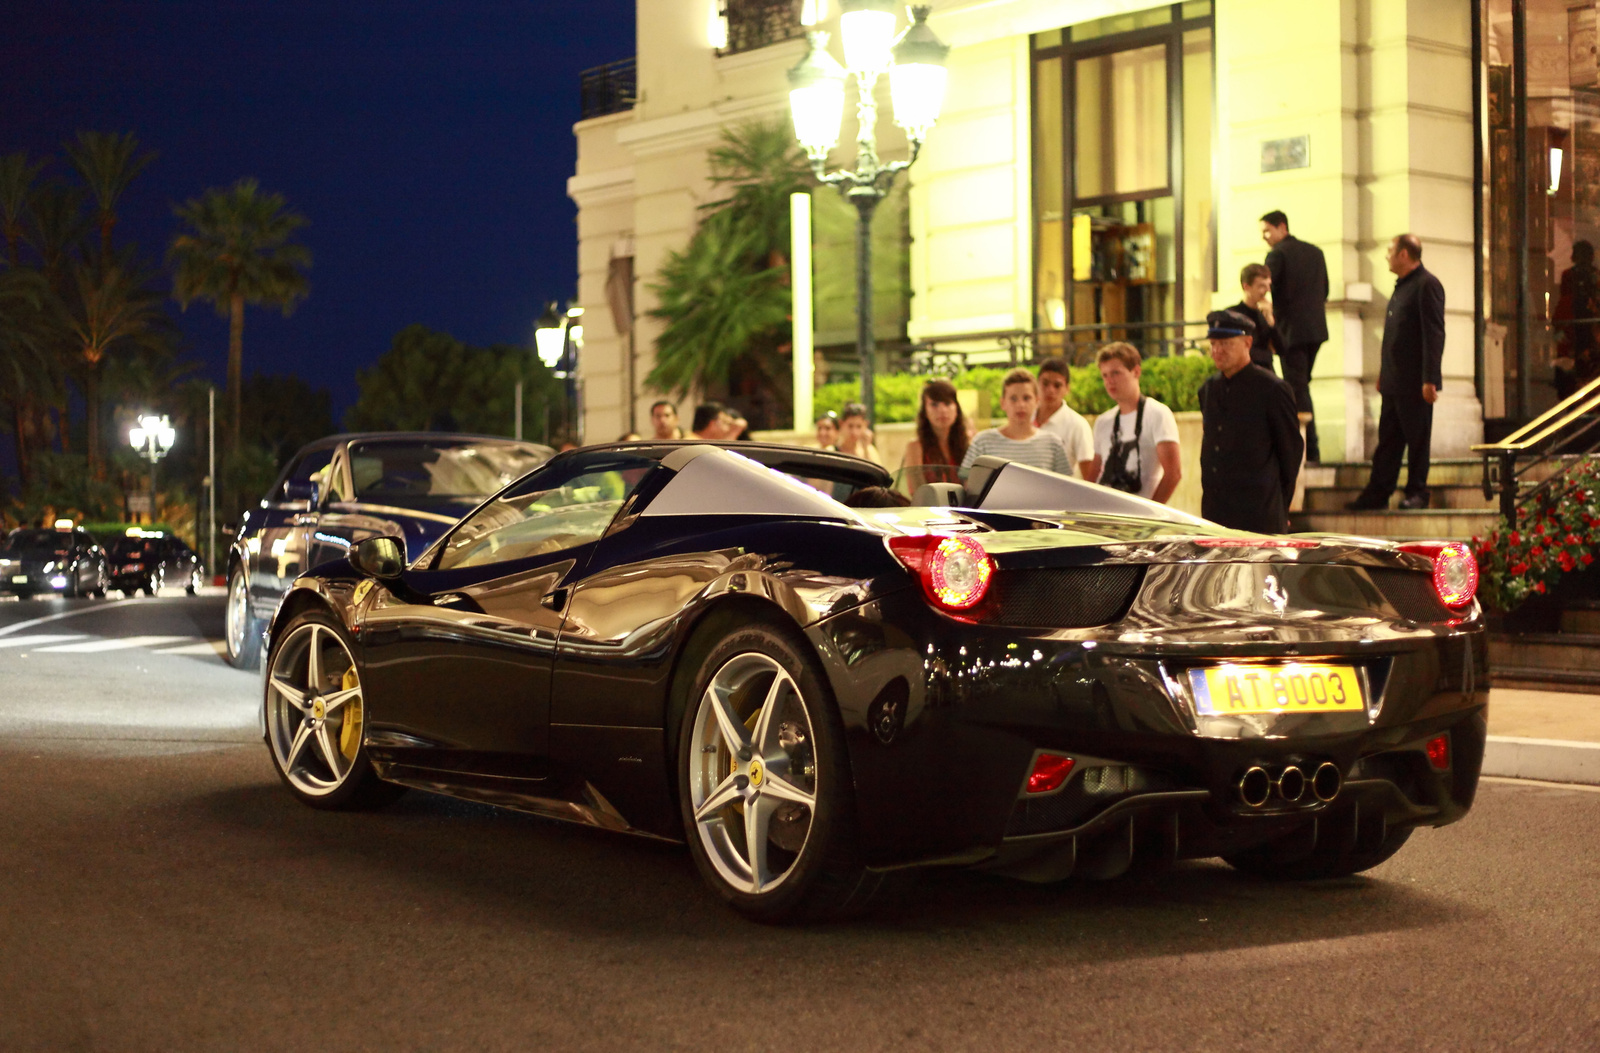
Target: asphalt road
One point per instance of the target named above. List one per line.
(159, 890)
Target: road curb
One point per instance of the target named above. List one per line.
(1549, 760)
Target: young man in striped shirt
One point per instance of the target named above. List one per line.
(1019, 440)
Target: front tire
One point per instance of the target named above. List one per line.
(316, 718)
(764, 780)
(243, 631)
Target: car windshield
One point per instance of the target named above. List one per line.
(133, 548)
(56, 541)
(414, 471)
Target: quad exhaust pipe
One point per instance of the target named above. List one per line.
(1291, 785)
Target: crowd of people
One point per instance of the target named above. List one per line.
(1252, 446)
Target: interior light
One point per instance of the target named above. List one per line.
(1556, 157)
(1439, 752)
(1050, 770)
(716, 26)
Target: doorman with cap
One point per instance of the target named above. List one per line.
(1250, 458)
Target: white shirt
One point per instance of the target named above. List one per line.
(1068, 425)
(1159, 426)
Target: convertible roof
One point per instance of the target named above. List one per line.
(419, 436)
(805, 461)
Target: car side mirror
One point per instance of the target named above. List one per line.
(303, 494)
(380, 557)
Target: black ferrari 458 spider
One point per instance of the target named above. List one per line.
(1024, 673)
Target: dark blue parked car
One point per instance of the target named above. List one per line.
(343, 489)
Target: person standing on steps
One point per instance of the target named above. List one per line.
(1250, 457)
(1299, 302)
(1408, 380)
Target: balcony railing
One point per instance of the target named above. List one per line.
(755, 24)
(611, 88)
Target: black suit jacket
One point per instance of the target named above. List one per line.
(1413, 336)
(1250, 457)
(1299, 291)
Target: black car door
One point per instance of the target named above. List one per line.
(278, 547)
(457, 658)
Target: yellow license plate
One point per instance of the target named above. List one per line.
(1222, 690)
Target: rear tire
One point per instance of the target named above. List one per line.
(243, 631)
(769, 770)
(1323, 862)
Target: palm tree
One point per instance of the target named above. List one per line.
(107, 163)
(237, 250)
(725, 296)
(108, 308)
(28, 374)
(16, 192)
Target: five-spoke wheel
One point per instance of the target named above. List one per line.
(243, 632)
(316, 717)
(764, 781)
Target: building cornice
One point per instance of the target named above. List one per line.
(602, 187)
(697, 128)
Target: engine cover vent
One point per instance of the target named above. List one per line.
(1063, 597)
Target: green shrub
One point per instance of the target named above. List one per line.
(1174, 381)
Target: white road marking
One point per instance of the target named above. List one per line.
(7, 630)
(204, 647)
(121, 643)
(38, 638)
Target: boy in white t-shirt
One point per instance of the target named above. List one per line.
(1061, 420)
(1136, 441)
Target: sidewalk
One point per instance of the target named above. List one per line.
(1547, 735)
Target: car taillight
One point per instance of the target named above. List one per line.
(955, 571)
(1439, 753)
(1455, 570)
(1050, 770)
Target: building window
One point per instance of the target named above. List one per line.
(1124, 238)
(755, 24)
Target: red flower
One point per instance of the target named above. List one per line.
(1539, 587)
(1586, 559)
(1566, 560)
(1519, 569)
(1571, 539)
(1536, 551)
(1516, 538)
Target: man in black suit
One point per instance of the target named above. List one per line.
(1299, 301)
(1408, 380)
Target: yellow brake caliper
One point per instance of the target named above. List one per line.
(350, 726)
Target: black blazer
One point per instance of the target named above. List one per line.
(1413, 336)
(1299, 291)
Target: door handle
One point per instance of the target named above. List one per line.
(555, 599)
(306, 519)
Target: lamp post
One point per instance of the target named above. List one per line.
(557, 339)
(914, 63)
(153, 436)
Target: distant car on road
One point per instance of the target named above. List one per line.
(341, 490)
(149, 559)
(62, 559)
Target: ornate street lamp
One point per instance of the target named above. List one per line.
(153, 436)
(915, 64)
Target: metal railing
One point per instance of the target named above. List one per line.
(755, 24)
(949, 354)
(611, 88)
(1565, 436)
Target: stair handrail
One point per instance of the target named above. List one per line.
(1500, 471)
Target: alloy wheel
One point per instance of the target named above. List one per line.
(314, 709)
(753, 773)
(238, 613)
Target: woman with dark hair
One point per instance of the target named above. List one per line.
(942, 434)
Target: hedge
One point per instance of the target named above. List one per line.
(1174, 381)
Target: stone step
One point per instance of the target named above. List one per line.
(1567, 681)
(1581, 620)
(1426, 524)
(1550, 652)
(1334, 498)
(1455, 471)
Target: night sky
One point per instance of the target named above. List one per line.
(429, 144)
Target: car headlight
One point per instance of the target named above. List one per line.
(48, 567)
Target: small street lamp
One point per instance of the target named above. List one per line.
(914, 62)
(153, 436)
(557, 339)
